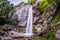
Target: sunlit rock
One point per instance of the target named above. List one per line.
(58, 34)
(58, 22)
(38, 29)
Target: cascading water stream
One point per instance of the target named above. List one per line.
(29, 22)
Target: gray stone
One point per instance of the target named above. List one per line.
(6, 38)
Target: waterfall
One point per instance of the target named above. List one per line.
(23, 13)
(29, 23)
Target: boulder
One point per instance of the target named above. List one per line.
(58, 22)
(6, 38)
(38, 30)
(58, 34)
(7, 27)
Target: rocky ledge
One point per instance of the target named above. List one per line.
(8, 33)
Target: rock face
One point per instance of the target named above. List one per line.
(21, 15)
(36, 15)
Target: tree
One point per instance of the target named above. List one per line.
(5, 8)
(32, 1)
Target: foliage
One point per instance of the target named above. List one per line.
(43, 38)
(5, 8)
(32, 1)
(56, 17)
(46, 4)
(52, 36)
(58, 26)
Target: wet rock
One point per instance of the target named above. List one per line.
(22, 15)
